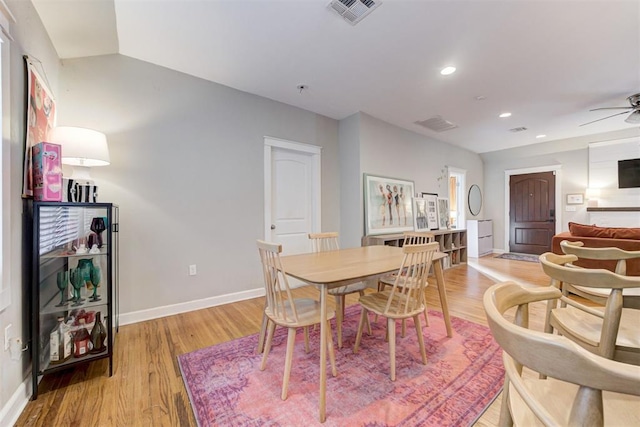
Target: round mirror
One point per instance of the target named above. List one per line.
(475, 200)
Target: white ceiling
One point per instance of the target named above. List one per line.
(546, 62)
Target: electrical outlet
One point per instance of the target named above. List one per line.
(7, 337)
(192, 270)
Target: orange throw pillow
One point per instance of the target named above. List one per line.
(581, 230)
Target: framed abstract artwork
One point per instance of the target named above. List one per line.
(388, 206)
(41, 114)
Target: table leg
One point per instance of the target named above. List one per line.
(442, 290)
(323, 353)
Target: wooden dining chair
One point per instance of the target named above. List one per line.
(580, 389)
(410, 238)
(282, 309)
(321, 242)
(404, 300)
(631, 296)
(611, 332)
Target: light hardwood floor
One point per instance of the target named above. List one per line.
(146, 388)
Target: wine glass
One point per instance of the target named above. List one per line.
(77, 280)
(98, 226)
(95, 280)
(62, 279)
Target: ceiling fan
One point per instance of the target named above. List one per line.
(634, 108)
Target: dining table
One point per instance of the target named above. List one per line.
(331, 269)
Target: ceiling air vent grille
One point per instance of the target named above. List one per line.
(520, 129)
(353, 11)
(437, 124)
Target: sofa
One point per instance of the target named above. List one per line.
(602, 237)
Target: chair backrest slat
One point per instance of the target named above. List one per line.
(578, 249)
(322, 242)
(408, 288)
(277, 290)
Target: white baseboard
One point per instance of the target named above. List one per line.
(11, 411)
(169, 310)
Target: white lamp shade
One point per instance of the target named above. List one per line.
(634, 118)
(80, 146)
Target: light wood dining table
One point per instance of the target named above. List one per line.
(327, 270)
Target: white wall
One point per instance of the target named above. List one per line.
(187, 171)
(29, 38)
(570, 154)
(388, 150)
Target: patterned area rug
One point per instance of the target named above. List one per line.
(520, 257)
(462, 377)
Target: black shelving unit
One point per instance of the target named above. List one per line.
(58, 227)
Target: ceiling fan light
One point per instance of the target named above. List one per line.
(634, 118)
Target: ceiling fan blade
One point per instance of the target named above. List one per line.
(634, 118)
(613, 115)
(612, 108)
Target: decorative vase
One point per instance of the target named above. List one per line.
(98, 335)
(98, 226)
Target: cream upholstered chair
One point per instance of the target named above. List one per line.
(611, 332)
(631, 296)
(410, 238)
(322, 242)
(283, 310)
(404, 300)
(580, 389)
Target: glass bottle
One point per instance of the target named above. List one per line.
(81, 340)
(98, 335)
(60, 343)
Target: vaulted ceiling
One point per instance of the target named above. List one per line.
(546, 62)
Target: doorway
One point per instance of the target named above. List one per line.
(532, 212)
(292, 194)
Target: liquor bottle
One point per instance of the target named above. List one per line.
(81, 341)
(59, 343)
(98, 334)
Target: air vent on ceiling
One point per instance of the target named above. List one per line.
(520, 129)
(437, 124)
(353, 11)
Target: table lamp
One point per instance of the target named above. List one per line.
(82, 149)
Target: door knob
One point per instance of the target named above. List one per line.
(273, 227)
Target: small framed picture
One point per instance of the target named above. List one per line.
(431, 210)
(575, 199)
(424, 218)
(443, 213)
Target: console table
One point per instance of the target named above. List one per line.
(452, 242)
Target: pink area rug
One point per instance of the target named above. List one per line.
(462, 377)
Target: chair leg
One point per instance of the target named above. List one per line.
(391, 328)
(368, 322)
(267, 346)
(505, 415)
(339, 317)
(263, 333)
(363, 314)
(291, 340)
(426, 316)
(403, 331)
(332, 354)
(423, 352)
(306, 339)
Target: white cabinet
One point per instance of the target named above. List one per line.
(479, 237)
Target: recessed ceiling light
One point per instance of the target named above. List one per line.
(503, 115)
(448, 70)
(480, 98)
(541, 136)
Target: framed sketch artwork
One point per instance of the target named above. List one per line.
(428, 204)
(388, 205)
(443, 213)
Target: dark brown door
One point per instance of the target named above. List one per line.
(532, 212)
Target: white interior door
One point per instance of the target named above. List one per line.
(292, 194)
